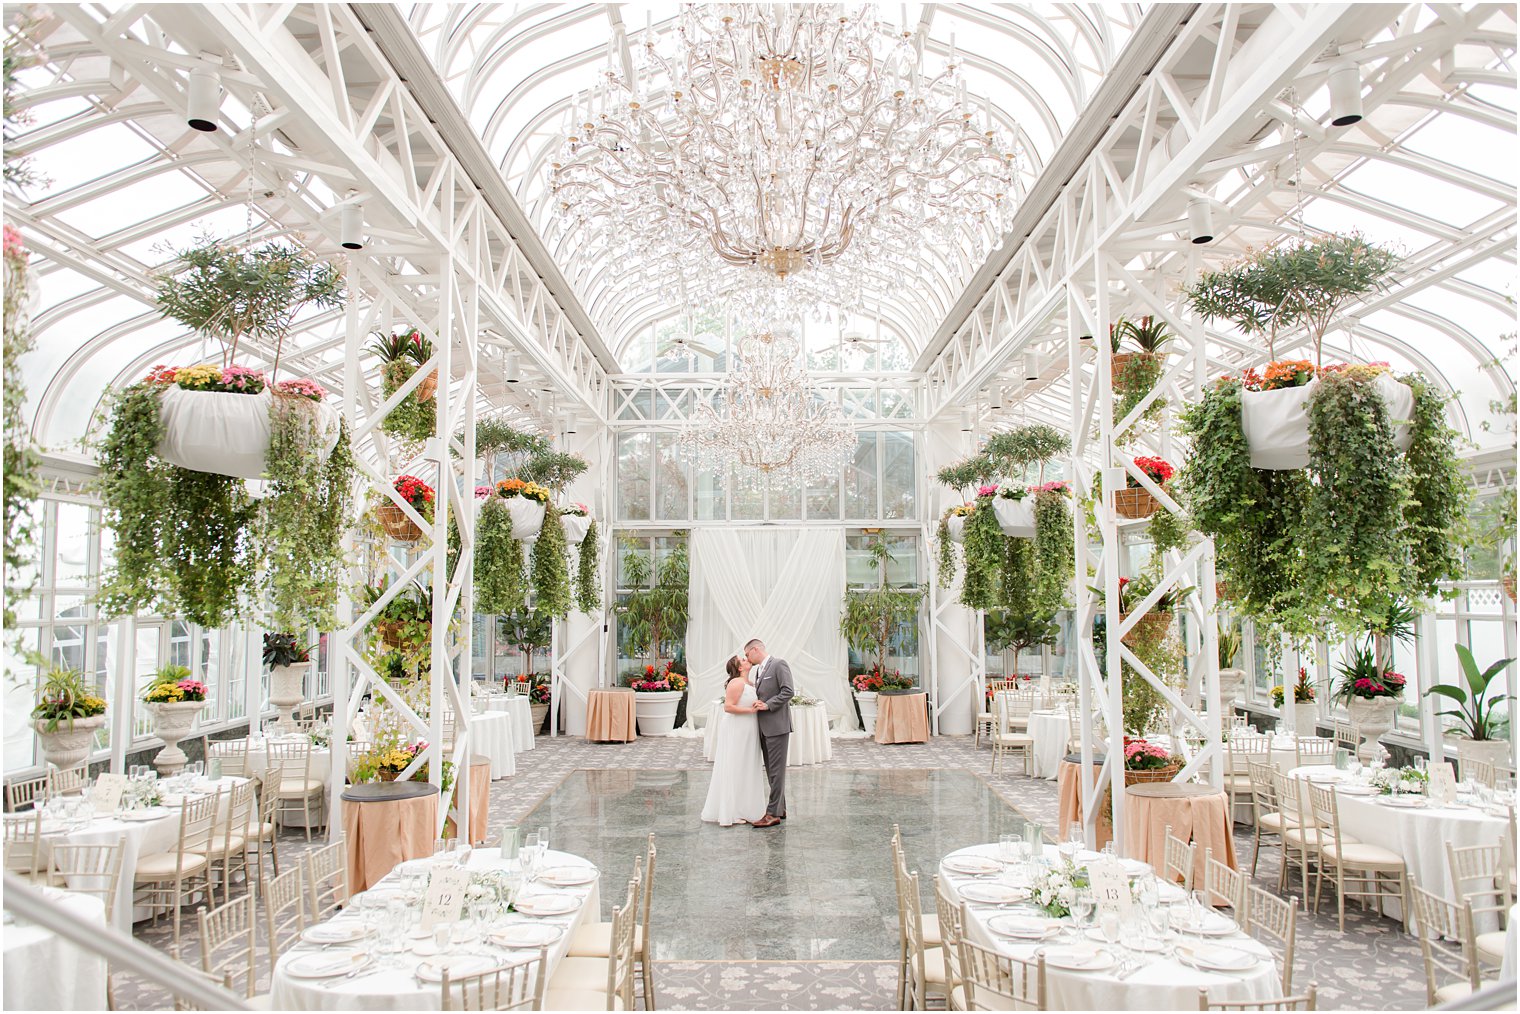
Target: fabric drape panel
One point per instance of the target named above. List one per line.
(782, 585)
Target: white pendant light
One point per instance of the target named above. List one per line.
(567, 422)
(1200, 219)
(1031, 365)
(1345, 95)
(996, 397)
(966, 425)
(204, 100)
(512, 368)
(351, 227)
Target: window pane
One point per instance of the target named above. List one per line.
(73, 559)
(785, 502)
(749, 497)
(712, 494)
(670, 479)
(633, 477)
(860, 480)
(898, 480)
(823, 501)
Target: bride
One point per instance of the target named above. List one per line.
(738, 792)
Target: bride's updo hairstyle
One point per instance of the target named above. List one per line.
(733, 670)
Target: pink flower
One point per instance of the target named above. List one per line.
(13, 244)
(986, 490)
(302, 388)
(483, 492)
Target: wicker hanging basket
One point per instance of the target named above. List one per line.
(1153, 625)
(1508, 581)
(396, 524)
(1161, 774)
(427, 388)
(1122, 367)
(1135, 502)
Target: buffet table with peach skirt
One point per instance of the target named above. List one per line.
(610, 716)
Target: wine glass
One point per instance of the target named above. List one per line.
(1009, 847)
(543, 839)
(1421, 763)
(1082, 904)
(1075, 839)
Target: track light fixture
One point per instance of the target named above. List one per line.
(205, 99)
(512, 369)
(351, 227)
(1200, 219)
(996, 397)
(567, 422)
(1031, 365)
(966, 420)
(1345, 95)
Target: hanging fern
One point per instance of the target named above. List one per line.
(500, 579)
(551, 570)
(588, 586)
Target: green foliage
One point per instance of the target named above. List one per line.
(550, 572)
(413, 418)
(1167, 532)
(1478, 712)
(1440, 495)
(131, 485)
(226, 292)
(1007, 630)
(398, 346)
(495, 437)
(984, 548)
(1054, 551)
(870, 619)
(21, 463)
(1010, 453)
(588, 583)
(284, 649)
(555, 469)
(1133, 381)
(653, 613)
(20, 53)
(308, 510)
(949, 560)
(1230, 640)
(1296, 283)
(965, 474)
(1142, 704)
(1148, 334)
(527, 630)
(501, 583)
(63, 696)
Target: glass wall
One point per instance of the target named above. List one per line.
(903, 571)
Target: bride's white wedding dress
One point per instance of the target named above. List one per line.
(739, 790)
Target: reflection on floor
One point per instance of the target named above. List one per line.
(802, 917)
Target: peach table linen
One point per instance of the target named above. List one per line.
(1196, 813)
(902, 718)
(480, 798)
(384, 832)
(1069, 790)
(610, 716)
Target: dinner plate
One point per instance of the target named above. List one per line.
(1324, 777)
(1135, 868)
(1022, 926)
(568, 876)
(547, 904)
(972, 864)
(341, 931)
(526, 934)
(1079, 958)
(325, 964)
(993, 893)
(457, 965)
(1148, 945)
(1216, 957)
(1356, 790)
(1213, 925)
(1404, 802)
(141, 816)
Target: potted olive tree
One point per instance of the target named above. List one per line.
(652, 614)
(870, 621)
(1479, 720)
(66, 718)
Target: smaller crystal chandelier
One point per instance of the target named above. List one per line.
(770, 419)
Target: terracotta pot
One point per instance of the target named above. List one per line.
(1135, 503)
(396, 524)
(427, 388)
(68, 745)
(172, 723)
(1122, 363)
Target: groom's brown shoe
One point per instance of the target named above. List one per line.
(767, 821)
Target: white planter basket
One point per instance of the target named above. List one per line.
(956, 526)
(657, 711)
(1015, 517)
(1487, 751)
(527, 517)
(226, 434)
(68, 745)
(575, 527)
(866, 700)
(1276, 423)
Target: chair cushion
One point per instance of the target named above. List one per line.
(163, 865)
(595, 941)
(1313, 835)
(1013, 739)
(257, 831)
(221, 847)
(1275, 822)
(932, 936)
(1358, 854)
(1453, 991)
(934, 967)
(583, 973)
(296, 788)
(1491, 947)
(578, 999)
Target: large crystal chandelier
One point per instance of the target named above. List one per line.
(782, 156)
(770, 419)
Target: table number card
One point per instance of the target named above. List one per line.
(107, 793)
(1443, 783)
(1110, 888)
(445, 897)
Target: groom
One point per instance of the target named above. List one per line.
(773, 687)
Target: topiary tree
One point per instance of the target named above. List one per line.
(1012, 452)
(870, 619)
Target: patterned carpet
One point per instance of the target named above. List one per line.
(1373, 966)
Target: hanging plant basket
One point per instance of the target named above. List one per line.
(1153, 626)
(396, 523)
(228, 434)
(1161, 774)
(1015, 517)
(527, 517)
(1135, 503)
(576, 527)
(956, 526)
(390, 634)
(1125, 369)
(1276, 423)
(1508, 581)
(426, 389)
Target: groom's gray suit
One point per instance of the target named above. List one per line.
(774, 686)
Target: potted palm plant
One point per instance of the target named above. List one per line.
(66, 717)
(288, 663)
(1231, 679)
(870, 621)
(175, 698)
(1479, 722)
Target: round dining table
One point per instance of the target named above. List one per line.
(1155, 980)
(378, 980)
(1050, 730)
(43, 971)
(520, 707)
(809, 743)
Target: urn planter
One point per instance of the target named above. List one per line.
(1372, 717)
(70, 743)
(540, 712)
(1305, 718)
(1231, 682)
(866, 701)
(656, 711)
(1487, 751)
(172, 723)
(287, 688)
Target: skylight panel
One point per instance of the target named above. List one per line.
(100, 152)
(120, 207)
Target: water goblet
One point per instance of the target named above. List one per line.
(543, 838)
(1108, 923)
(1421, 763)
(1082, 904)
(1009, 847)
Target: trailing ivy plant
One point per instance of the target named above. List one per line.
(984, 545)
(1054, 551)
(210, 550)
(21, 482)
(1440, 496)
(305, 516)
(949, 560)
(550, 572)
(132, 487)
(500, 577)
(401, 355)
(588, 584)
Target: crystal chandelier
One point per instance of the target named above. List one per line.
(781, 157)
(770, 419)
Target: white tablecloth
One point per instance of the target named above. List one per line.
(138, 838)
(391, 983)
(1282, 752)
(1418, 835)
(1051, 731)
(491, 736)
(520, 707)
(1161, 984)
(1511, 943)
(43, 971)
(258, 757)
(809, 743)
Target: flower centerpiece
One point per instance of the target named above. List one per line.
(416, 494)
(174, 697)
(66, 717)
(1134, 500)
(1400, 781)
(1054, 888)
(142, 794)
(496, 888)
(288, 662)
(1145, 761)
(388, 761)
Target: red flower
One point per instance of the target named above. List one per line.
(1155, 469)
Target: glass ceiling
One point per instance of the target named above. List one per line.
(1432, 170)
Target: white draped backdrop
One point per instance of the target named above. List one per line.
(782, 585)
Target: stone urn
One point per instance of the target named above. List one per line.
(286, 683)
(541, 712)
(1305, 718)
(865, 700)
(1231, 682)
(1485, 751)
(171, 723)
(1372, 717)
(656, 711)
(70, 743)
